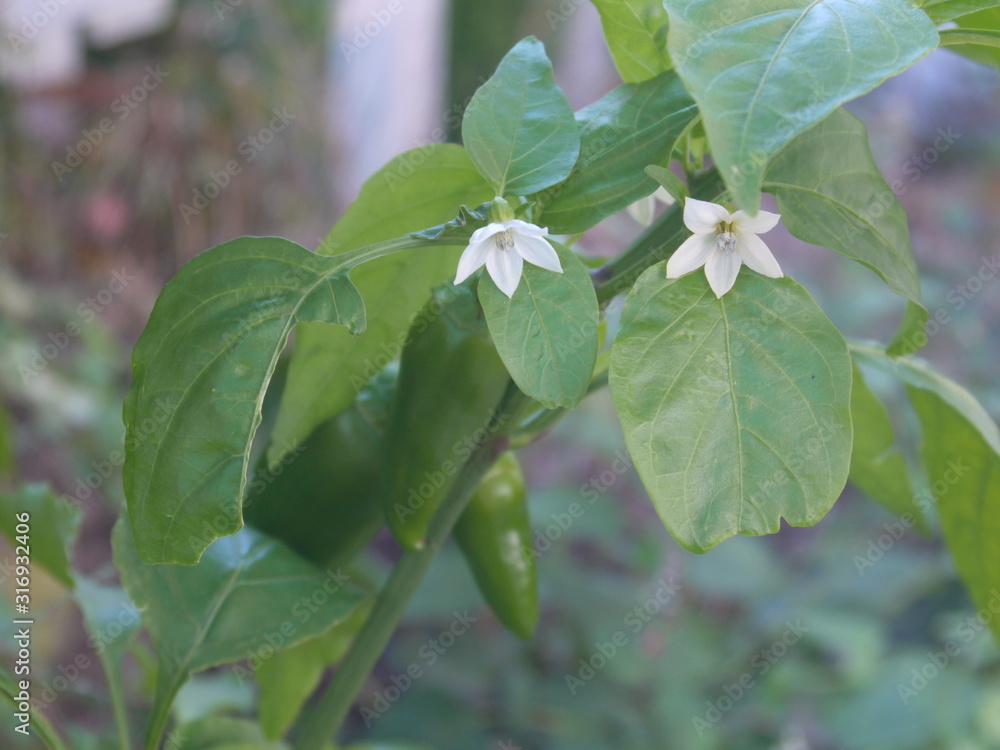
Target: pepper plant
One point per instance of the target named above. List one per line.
(448, 321)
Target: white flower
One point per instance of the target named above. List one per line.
(644, 208)
(722, 242)
(504, 246)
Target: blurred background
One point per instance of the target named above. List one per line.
(134, 135)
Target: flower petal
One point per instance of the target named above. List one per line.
(702, 217)
(692, 254)
(488, 231)
(538, 251)
(757, 255)
(764, 221)
(526, 228)
(642, 210)
(505, 269)
(473, 257)
(721, 270)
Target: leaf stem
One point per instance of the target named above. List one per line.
(980, 37)
(162, 704)
(326, 718)
(118, 706)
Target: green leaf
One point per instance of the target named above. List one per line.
(947, 10)
(877, 468)
(547, 333)
(670, 182)
(636, 33)
(519, 128)
(200, 370)
(831, 193)
(288, 678)
(222, 733)
(53, 523)
(248, 596)
(763, 71)
(416, 190)
(961, 454)
(735, 410)
(633, 126)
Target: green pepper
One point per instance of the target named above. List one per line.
(493, 533)
(321, 498)
(451, 382)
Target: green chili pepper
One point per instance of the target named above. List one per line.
(494, 532)
(451, 381)
(321, 499)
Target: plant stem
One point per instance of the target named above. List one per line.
(164, 699)
(980, 37)
(655, 244)
(324, 721)
(117, 702)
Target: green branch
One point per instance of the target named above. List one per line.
(980, 37)
(324, 721)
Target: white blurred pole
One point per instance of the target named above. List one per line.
(388, 67)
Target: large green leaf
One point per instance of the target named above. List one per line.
(735, 410)
(961, 454)
(634, 126)
(288, 678)
(831, 193)
(248, 597)
(53, 523)
(416, 190)
(763, 71)
(947, 10)
(547, 333)
(519, 128)
(199, 372)
(636, 32)
(877, 467)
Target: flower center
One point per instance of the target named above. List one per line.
(726, 241)
(504, 240)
